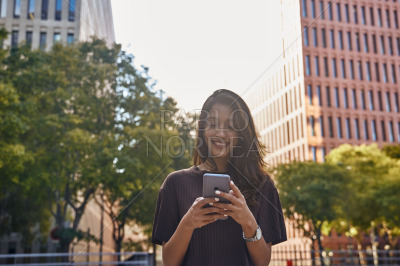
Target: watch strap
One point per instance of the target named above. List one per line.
(256, 237)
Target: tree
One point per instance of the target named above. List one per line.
(310, 194)
(367, 165)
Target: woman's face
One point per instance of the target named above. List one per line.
(219, 134)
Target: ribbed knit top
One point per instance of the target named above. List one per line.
(221, 242)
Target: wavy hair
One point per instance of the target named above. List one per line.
(246, 165)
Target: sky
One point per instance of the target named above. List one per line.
(193, 48)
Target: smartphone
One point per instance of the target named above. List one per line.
(213, 182)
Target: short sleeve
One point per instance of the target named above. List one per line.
(166, 217)
(270, 216)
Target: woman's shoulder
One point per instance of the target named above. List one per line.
(176, 177)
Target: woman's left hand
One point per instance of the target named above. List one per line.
(238, 208)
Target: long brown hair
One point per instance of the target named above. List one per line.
(246, 165)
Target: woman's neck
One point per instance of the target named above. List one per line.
(220, 163)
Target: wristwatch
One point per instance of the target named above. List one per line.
(256, 237)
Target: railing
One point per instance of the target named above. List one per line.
(72, 259)
(335, 257)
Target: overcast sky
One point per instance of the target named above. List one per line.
(195, 47)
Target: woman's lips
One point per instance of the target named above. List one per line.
(220, 144)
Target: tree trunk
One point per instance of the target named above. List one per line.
(321, 248)
(361, 253)
(312, 251)
(374, 242)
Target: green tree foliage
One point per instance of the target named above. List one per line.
(310, 194)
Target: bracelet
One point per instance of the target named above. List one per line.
(256, 237)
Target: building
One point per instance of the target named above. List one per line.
(41, 23)
(337, 81)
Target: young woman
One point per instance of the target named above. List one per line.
(193, 235)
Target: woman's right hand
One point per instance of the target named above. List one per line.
(198, 216)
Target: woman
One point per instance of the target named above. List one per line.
(192, 235)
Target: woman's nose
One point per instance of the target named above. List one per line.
(221, 132)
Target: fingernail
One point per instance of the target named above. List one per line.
(225, 209)
(217, 192)
(232, 182)
(216, 199)
(225, 215)
(210, 203)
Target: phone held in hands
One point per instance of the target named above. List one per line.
(213, 182)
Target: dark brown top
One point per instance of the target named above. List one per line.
(221, 242)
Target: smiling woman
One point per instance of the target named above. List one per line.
(193, 234)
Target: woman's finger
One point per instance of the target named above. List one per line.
(227, 196)
(235, 189)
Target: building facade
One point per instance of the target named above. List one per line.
(41, 23)
(337, 81)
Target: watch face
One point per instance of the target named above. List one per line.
(258, 234)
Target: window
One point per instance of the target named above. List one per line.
(346, 11)
(343, 68)
(56, 37)
(351, 69)
(305, 36)
(371, 12)
(339, 127)
(319, 95)
(354, 96)
(348, 129)
(366, 43)
(326, 67)
(28, 38)
(391, 132)
(373, 130)
(337, 101)
(45, 9)
(388, 106)
(349, 45)
(371, 100)
(379, 17)
(330, 13)
(394, 81)
(390, 43)
(3, 8)
(363, 21)
(315, 39)
(355, 14)
(358, 42)
(345, 98)
(14, 38)
(31, 9)
(363, 106)
(70, 38)
(321, 9)
(71, 10)
(316, 66)
(323, 38)
(380, 101)
(308, 69)
(360, 71)
(304, 8)
(328, 96)
(396, 103)
(330, 126)
(341, 40)
(313, 8)
(58, 9)
(332, 34)
(42, 43)
(366, 135)
(314, 153)
(339, 17)
(312, 126)
(384, 71)
(321, 124)
(387, 18)
(309, 92)
(377, 72)
(17, 8)
(356, 128)
(382, 45)
(383, 128)
(334, 72)
(396, 21)
(374, 43)
(368, 71)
